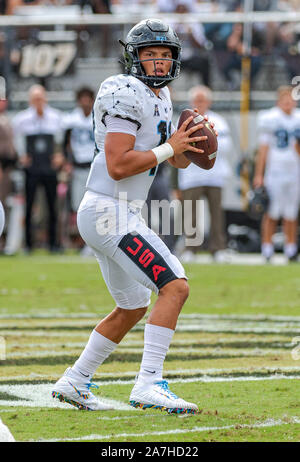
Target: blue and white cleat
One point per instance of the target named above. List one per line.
(157, 395)
(70, 390)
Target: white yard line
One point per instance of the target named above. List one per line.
(131, 344)
(266, 423)
(213, 352)
(214, 372)
(212, 327)
(207, 379)
(39, 395)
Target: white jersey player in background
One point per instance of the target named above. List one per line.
(80, 143)
(278, 169)
(79, 147)
(194, 185)
(2, 215)
(132, 117)
(2, 218)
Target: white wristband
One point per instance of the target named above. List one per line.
(163, 152)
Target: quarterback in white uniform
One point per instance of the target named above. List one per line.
(278, 169)
(2, 215)
(2, 218)
(133, 134)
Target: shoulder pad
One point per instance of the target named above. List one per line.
(121, 96)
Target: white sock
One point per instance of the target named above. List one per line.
(157, 340)
(267, 250)
(290, 250)
(96, 351)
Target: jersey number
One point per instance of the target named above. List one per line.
(165, 131)
(282, 138)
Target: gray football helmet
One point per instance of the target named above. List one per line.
(151, 32)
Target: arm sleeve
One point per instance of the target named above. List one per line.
(119, 125)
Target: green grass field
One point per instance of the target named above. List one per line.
(234, 354)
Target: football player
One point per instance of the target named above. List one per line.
(277, 168)
(2, 215)
(209, 183)
(2, 218)
(79, 143)
(133, 134)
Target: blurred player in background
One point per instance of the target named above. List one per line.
(195, 185)
(8, 159)
(79, 146)
(38, 130)
(133, 122)
(277, 168)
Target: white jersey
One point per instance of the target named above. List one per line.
(2, 218)
(126, 97)
(193, 177)
(28, 122)
(82, 137)
(280, 131)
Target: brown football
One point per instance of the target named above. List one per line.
(206, 159)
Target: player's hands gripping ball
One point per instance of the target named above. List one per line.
(209, 146)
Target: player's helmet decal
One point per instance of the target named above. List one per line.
(151, 32)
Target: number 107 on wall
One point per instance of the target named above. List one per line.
(45, 59)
